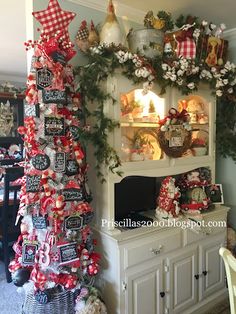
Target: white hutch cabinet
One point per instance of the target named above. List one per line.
(156, 270)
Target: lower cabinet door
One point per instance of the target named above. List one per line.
(144, 292)
(211, 267)
(182, 281)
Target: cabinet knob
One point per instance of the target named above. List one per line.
(204, 272)
(196, 276)
(156, 251)
(162, 294)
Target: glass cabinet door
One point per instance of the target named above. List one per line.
(140, 113)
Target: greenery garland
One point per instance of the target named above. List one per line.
(181, 73)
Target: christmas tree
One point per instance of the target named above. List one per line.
(55, 251)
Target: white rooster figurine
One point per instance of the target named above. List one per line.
(111, 32)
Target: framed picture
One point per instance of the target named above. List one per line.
(215, 193)
(176, 138)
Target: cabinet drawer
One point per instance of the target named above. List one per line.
(212, 225)
(152, 246)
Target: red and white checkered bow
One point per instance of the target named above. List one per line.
(54, 19)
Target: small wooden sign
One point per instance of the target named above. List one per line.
(60, 162)
(39, 222)
(33, 183)
(73, 223)
(54, 96)
(73, 194)
(40, 161)
(42, 297)
(74, 130)
(43, 78)
(54, 126)
(28, 252)
(68, 253)
(31, 110)
(72, 167)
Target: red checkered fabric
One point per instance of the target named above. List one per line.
(54, 19)
(186, 48)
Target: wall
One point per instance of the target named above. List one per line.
(226, 167)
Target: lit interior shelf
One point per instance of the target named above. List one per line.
(139, 124)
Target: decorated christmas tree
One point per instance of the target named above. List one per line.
(54, 255)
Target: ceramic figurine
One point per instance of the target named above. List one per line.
(111, 32)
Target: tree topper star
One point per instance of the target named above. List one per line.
(54, 19)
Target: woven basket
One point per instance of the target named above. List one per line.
(61, 302)
(174, 152)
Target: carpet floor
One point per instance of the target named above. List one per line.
(11, 301)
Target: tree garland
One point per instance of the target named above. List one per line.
(184, 74)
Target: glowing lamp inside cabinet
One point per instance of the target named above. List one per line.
(141, 111)
(140, 105)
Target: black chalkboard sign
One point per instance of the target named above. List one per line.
(40, 161)
(60, 162)
(88, 217)
(68, 253)
(73, 194)
(58, 57)
(33, 183)
(31, 110)
(39, 222)
(72, 167)
(75, 132)
(43, 78)
(54, 96)
(54, 126)
(43, 297)
(73, 223)
(28, 253)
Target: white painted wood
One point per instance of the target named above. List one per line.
(211, 261)
(182, 282)
(143, 290)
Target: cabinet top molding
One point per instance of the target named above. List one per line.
(122, 10)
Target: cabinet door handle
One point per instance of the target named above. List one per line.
(162, 294)
(204, 272)
(196, 276)
(156, 251)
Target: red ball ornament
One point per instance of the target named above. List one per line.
(93, 269)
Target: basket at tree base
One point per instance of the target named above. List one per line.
(61, 302)
(176, 151)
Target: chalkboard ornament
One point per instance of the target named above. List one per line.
(72, 167)
(73, 223)
(43, 297)
(54, 126)
(68, 253)
(20, 276)
(33, 183)
(54, 96)
(39, 222)
(44, 78)
(60, 162)
(41, 161)
(28, 252)
(73, 194)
